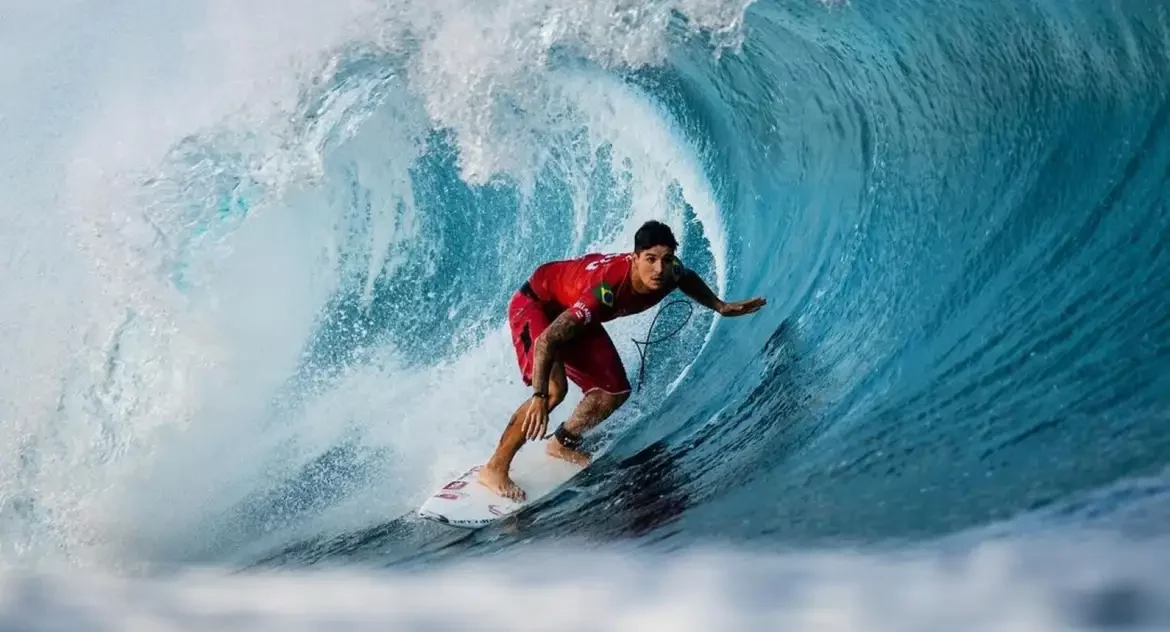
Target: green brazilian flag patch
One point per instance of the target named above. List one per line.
(604, 293)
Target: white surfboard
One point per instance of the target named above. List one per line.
(464, 502)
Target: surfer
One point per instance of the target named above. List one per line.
(556, 319)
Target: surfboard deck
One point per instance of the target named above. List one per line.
(464, 502)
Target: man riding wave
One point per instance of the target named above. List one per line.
(556, 317)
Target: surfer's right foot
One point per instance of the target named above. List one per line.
(500, 483)
(578, 457)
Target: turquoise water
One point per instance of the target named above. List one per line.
(260, 258)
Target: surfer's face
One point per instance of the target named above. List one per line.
(654, 266)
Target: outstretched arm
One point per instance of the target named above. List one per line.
(693, 286)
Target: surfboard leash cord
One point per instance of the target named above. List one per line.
(647, 342)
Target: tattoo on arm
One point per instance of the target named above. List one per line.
(562, 329)
(693, 286)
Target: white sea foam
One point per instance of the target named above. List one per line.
(1088, 583)
(126, 389)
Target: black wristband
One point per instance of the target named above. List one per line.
(540, 394)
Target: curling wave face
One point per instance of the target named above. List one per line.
(258, 268)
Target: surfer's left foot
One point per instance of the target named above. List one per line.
(499, 482)
(555, 449)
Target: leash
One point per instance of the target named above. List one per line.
(570, 440)
(647, 342)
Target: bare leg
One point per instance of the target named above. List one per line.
(494, 474)
(595, 408)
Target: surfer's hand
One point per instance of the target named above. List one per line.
(536, 421)
(742, 307)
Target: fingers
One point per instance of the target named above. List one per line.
(747, 307)
(534, 424)
(526, 427)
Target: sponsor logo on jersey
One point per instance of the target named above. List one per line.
(582, 313)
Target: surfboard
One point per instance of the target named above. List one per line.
(464, 502)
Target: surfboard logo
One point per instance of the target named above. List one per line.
(604, 293)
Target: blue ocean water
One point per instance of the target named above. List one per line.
(258, 259)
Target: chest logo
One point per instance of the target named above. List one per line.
(604, 294)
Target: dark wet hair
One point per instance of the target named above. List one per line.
(654, 233)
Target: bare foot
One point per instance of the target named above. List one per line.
(500, 483)
(555, 449)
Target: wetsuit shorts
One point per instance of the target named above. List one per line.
(590, 358)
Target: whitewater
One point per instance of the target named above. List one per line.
(255, 259)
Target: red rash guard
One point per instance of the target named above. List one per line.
(595, 288)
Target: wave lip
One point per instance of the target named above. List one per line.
(263, 313)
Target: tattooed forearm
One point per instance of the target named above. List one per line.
(562, 329)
